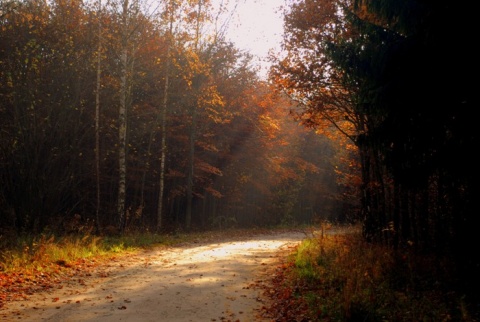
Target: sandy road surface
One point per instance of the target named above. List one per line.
(194, 282)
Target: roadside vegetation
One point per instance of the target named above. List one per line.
(341, 277)
(333, 275)
(30, 264)
(34, 263)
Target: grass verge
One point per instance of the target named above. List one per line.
(29, 264)
(340, 277)
(33, 263)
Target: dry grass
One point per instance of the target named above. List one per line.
(340, 277)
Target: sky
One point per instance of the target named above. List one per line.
(257, 26)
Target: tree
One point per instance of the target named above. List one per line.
(421, 128)
(381, 60)
(46, 93)
(326, 95)
(97, 116)
(132, 25)
(122, 112)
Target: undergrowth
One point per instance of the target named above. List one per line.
(45, 252)
(340, 277)
(330, 277)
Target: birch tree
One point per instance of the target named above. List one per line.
(129, 28)
(122, 116)
(171, 15)
(193, 134)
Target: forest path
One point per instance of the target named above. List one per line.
(199, 281)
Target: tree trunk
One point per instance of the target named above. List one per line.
(97, 116)
(164, 121)
(191, 154)
(122, 122)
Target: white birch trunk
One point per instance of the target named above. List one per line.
(164, 122)
(122, 121)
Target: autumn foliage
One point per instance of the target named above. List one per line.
(119, 120)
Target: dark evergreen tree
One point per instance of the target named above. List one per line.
(413, 61)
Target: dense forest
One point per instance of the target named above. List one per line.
(119, 116)
(396, 78)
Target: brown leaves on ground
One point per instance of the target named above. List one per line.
(283, 305)
(25, 282)
(21, 284)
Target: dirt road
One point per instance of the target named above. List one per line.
(199, 281)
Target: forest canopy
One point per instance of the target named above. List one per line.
(114, 118)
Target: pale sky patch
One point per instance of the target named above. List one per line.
(257, 26)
